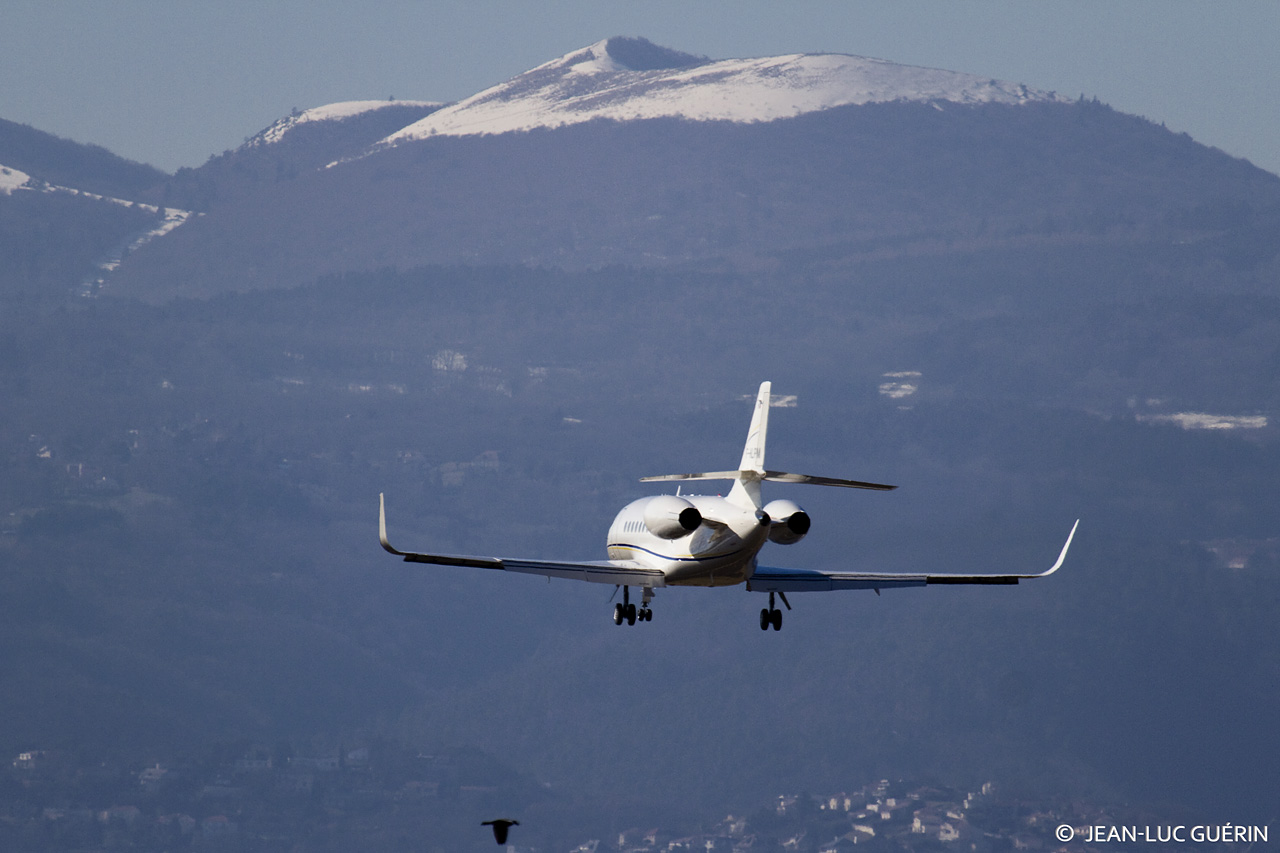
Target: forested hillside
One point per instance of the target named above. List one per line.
(820, 191)
(191, 537)
(73, 164)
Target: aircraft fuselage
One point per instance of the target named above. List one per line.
(720, 552)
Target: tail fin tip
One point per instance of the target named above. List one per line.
(753, 450)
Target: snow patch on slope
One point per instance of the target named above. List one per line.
(329, 112)
(167, 219)
(11, 179)
(1203, 420)
(599, 82)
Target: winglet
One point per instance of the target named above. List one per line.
(1062, 556)
(382, 526)
(1007, 579)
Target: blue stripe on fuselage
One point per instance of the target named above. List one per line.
(700, 559)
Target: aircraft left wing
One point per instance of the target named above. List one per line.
(618, 572)
(768, 579)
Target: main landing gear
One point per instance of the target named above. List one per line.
(772, 615)
(626, 611)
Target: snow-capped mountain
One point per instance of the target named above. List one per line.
(626, 79)
(293, 146)
(745, 163)
(340, 111)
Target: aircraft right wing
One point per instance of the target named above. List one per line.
(769, 579)
(616, 572)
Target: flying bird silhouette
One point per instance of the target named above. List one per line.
(500, 828)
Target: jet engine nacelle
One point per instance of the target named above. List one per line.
(671, 517)
(788, 522)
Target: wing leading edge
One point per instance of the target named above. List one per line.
(769, 579)
(605, 571)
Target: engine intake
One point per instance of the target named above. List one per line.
(671, 517)
(789, 522)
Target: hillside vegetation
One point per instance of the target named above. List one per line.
(1020, 315)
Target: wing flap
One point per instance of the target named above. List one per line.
(769, 579)
(618, 573)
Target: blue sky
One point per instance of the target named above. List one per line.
(173, 83)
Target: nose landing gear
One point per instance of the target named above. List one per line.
(771, 615)
(626, 611)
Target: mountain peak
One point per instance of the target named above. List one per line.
(640, 54)
(627, 79)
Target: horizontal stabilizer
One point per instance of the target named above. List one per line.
(709, 475)
(775, 476)
(782, 477)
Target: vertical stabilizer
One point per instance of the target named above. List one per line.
(746, 491)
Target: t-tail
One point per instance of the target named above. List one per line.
(751, 471)
(746, 488)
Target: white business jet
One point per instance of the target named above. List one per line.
(700, 540)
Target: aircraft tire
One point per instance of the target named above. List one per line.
(618, 614)
(631, 614)
(776, 619)
(764, 619)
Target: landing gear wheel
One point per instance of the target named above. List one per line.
(776, 620)
(765, 620)
(618, 614)
(631, 614)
